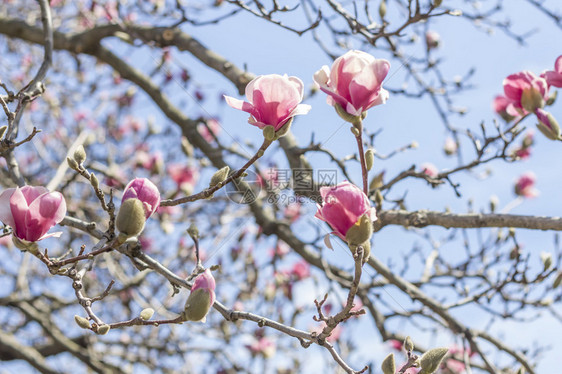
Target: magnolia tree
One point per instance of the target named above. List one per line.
(148, 227)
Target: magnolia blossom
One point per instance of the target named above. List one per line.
(301, 270)
(525, 185)
(354, 82)
(211, 130)
(430, 170)
(526, 92)
(146, 192)
(185, 176)
(31, 211)
(342, 206)
(264, 346)
(272, 100)
(500, 105)
(554, 77)
(432, 39)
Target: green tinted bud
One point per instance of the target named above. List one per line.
(377, 181)
(355, 132)
(546, 259)
(3, 131)
(369, 158)
(79, 154)
(103, 329)
(82, 322)
(437, 3)
(219, 176)
(557, 281)
(72, 163)
(431, 360)
(382, 9)
(378, 198)
(388, 365)
(193, 231)
(131, 218)
(146, 314)
(94, 181)
(408, 344)
(366, 250)
(361, 231)
(269, 132)
(197, 306)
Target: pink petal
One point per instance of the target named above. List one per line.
(5, 208)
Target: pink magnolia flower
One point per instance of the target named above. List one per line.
(526, 92)
(430, 170)
(32, 211)
(432, 39)
(342, 206)
(554, 77)
(354, 82)
(185, 176)
(213, 130)
(146, 192)
(263, 346)
(272, 100)
(525, 185)
(301, 270)
(500, 105)
(395, 344)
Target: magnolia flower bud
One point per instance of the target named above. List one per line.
(219, 176)
(72, 163)
(408, 344)
(388, 365)
(548, 125)
(382, 9)
(431, 359)
(201, 298)
(79, 154)
(131, 218)
(369, 158)
(546, 259)
(3, 130)
(103, 329)
(146, 314)
(94, 181)
(82, 322)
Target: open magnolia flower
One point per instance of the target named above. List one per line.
(354, 82)
(32, 211)
(343, 206)
(272, 100)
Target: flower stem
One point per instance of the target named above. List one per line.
(359, 137)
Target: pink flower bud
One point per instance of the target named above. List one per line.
(548, 124)
(500, 105)
(525, 185)
(430, 170)
(272, 100)
(184, 176)
(432, 39)
(526, 92)
(354, 82)
(554, 77)
(146, 192)
(201, 298)
(31, 211)
(342, 207)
